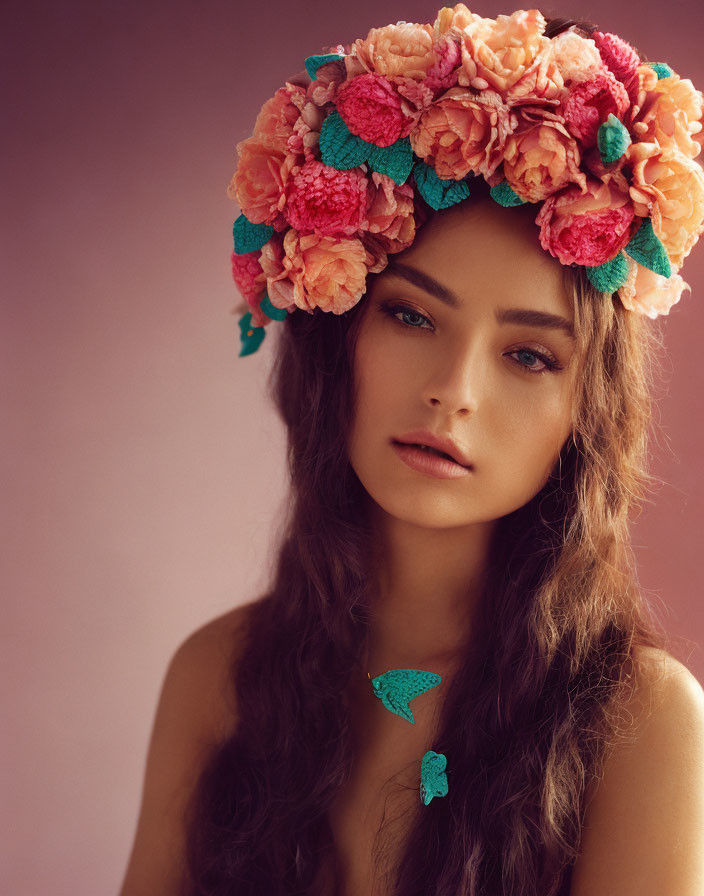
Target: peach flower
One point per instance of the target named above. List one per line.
(670, 113)
(315, 271)
(402, 49)
(276, 118)
(390, 216)
(577, 57)
(453, 20)
(464, 132)
(646, 292)
(498, 52)
(541, 160)
(259, 183)
(668, 187)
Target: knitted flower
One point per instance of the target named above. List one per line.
(669, 188)
(649, 293)
(588, 228)
(541, 160)
(390, 216)
(620, 58)
(258, 185)
(497, 52)
(463, 132)
(590, 102)
(374, 109)
(671, 114)
(405, 48)
(326, 200)
(251, 281)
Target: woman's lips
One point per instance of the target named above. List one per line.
(429, 463)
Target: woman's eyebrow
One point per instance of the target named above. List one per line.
(528, 316)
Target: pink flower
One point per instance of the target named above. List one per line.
(463, 132)
(276, 118)
(589, 103)
(372, 108)
(405, 49)
(646, 292)
(251, 282)
(443, 73)
(587, 228)
(391, 213)
(325, 200)
(305, 135)
(541, 160)
(620, 58)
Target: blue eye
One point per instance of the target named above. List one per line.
(550, 363)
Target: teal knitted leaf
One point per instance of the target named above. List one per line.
(609, 276)
(248, 236)
(612, 139)
(647, 249)
(438, 192)
(505, 195)
(662, 69)
(271, 310)
(398, 687)
(251, 336)
(394, 161)
(433, 779)
(313, 63)
(338, 147)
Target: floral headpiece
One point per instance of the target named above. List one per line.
(341, 171)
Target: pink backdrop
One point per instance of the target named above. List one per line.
(142, 469)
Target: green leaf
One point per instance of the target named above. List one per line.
(338, 147)
(395, 161)
(662, 69)
(250, 336)
(313, 63)
(612, 139)
(433, 778)
(609, 276)
(504, 194)
(647, 249)
(438, 192)
(271, 310)
(250, 237)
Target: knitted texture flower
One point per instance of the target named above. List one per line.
(326, 200)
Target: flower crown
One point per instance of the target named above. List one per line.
(341, 171)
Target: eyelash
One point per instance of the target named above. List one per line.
(550, 362)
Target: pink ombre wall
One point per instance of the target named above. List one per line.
(142, 466)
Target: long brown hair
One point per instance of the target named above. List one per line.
(550, 667)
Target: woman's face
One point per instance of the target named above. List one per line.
(459, 371)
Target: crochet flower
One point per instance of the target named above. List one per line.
(669, 188)
(373, 107)
(587, 228)
(325, 200)
(463, 132)
(251, 282)
(590, 102)
(649, 293)
(671, 114)
(620, 58)
(405, 48)
(390, 216)
(541, 160)
(497, 52)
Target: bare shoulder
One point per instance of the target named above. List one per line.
(643, 828)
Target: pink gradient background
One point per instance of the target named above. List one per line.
(142, 469)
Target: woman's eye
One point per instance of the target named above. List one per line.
(395, 310)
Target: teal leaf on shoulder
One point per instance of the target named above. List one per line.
(250, 336)
(394, 161)
(609, 276)
(397, 687)
(438, 192)
(504, 194)
(313, 63)
(646, 249)
(433, 779)
(250, 237)
(338, 147)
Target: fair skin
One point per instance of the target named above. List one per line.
(456, 371)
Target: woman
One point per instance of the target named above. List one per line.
(564, 720)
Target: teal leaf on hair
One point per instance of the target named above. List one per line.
(438, 192)
(338, 147)
(394, 161)
(612, 139)
(662, 69)
(609, 276)
(313, 63)
(398, 687)
(250, 336)
(271, 310)
(433, 779)
(647, 249)
(504, 194)
(250, 237)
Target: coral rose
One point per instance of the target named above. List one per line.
(670, 114)
(251, 281)
(276, 118)
(381, 111)
(390, 217)
(668, 187)
(452, 20)
(402, 49)
(646, 292)
(589, 103)
(541, 160)
(258, 185)
(325, 200)
(586, 228)
(577, 57)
